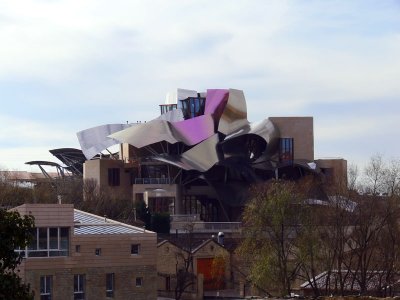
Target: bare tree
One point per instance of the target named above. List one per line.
(353, 177)
(375, 174)
(392, 177)
(185, 277)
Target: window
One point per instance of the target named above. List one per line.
(160, 204)
(168, 283)
(113, 177)
(45, 287)
(139, 281)
(135, 249)
(98, 251)
(78, 248)
(286, 153)
(79, 287)
(110, 285)
(48, 241)
(167, 107)
(192, 107)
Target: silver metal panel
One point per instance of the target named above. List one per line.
(190, 132)
(86, 223)
(264, 129)
(182, 94)
(146, 133)
(201, 157)
(94, 140)
(175, 115)
(179, 94)
(82, 217)
(104, 229)
(234, 116)
(204, 155)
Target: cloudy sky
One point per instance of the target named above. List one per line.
(68, 65)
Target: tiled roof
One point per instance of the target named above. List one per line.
(86, 223)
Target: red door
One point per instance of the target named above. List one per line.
(213, 273)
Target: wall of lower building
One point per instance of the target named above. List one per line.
(49, 215)
(114, 257)
(95, 282)
(301, 129)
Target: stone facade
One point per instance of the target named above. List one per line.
(169, 255)
(134, 273)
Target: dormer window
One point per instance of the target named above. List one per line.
(192, 107)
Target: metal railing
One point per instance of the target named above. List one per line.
(152, 180)
(185, 218)
(179, 223)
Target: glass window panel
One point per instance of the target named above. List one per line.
(135, 249)
(139, 281)
(53, 236)
(38, 253)
(45, 287)
(42, 284)
(42, 238)
(64, 238)
(110, 285)
(33, 243)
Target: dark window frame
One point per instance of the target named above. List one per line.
(46, 287)
(114, 176)
(79, 286)
(139, 282)
(110, 285)
(135, 249)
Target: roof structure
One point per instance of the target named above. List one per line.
(86, 223)
(72, 158)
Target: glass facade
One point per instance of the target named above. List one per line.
(207, 211)
(286, 153)
(167, 107)
(47, 242)
(192, 107)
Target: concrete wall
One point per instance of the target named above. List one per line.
(335, 170)
(301, 129)
(97, 170)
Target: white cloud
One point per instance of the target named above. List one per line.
(23, 131)
(15, 158)
(363, 127)
(123, 57)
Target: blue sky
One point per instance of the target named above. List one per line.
(68, 65)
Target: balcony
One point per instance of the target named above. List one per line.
(179, 224)
(152, 180)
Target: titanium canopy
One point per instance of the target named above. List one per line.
(224, 119)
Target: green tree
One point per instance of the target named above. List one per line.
(271, 222)
(14, 233)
